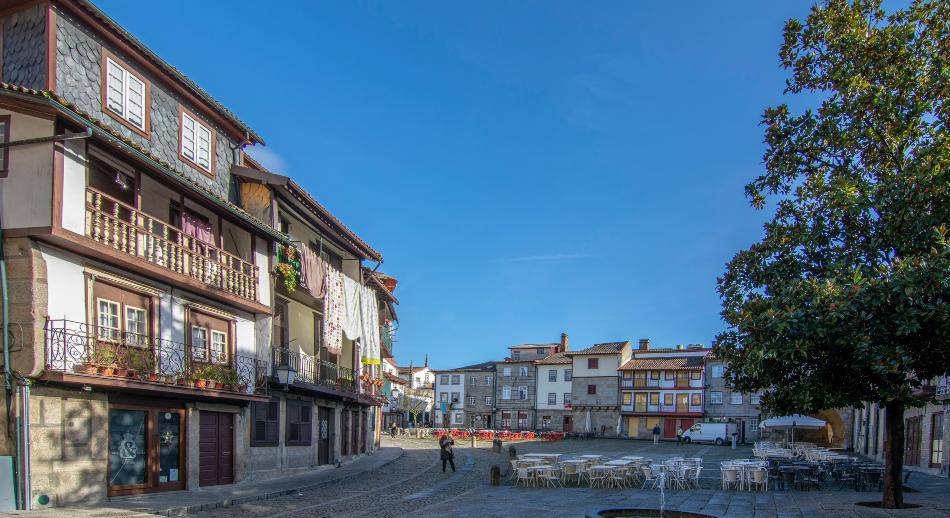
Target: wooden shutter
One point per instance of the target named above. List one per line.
(266, 422)
(115, 87)
(135, 105)
(306, 428)
(204, 147)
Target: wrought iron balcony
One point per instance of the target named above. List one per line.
(313, 370)
(80, 348)
(127, 230)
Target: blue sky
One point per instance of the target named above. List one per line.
(526, 168)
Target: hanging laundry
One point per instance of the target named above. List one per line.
(369, 319)
(313, 272)
(351, 319)
(333, 310)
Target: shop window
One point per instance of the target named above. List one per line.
(936, 440)
(265, 418)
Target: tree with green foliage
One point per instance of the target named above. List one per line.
(845, 298)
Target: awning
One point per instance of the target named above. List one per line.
(792, 421)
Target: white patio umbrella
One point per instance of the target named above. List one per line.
(791, 422)
(587, 422)
(619, 425)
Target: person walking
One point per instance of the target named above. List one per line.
(392, 430)
(679, 435)
(445, 445)
(656, 434)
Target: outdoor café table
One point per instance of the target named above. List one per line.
(554, 456)
(631, 457)
(590, 457)
(619, 462)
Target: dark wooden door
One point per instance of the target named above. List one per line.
(669, 428)
(215, 449)
(325, 435)
(568, 424)
(912, 441)
(355, 428)
(344, 433)
(363, 430)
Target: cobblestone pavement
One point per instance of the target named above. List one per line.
(414, 485)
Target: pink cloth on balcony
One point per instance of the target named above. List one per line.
(313, 272)
(334, 307)
(196, 228)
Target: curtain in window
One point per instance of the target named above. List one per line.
(334, 309)
(196, 228)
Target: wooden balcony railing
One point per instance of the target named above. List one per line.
(77, 347)
(315, 371)
(112, 223)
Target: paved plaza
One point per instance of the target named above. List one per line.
(405, 479)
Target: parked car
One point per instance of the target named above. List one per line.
(719, 433)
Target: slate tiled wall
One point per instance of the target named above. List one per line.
(79, 80)
(24, 48)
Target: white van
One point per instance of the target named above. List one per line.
(719, 433)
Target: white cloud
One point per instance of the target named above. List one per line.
(267, 158)
(547, 257)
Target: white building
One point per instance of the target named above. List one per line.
(450, 399)
(553, 394)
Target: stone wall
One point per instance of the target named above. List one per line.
(557, 419)
(24, 47)
(607, 391)
(602, 421)
(68, 445)
(79, 80)
(28, 297)
(514, 381)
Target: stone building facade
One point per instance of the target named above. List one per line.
(725, 405)
(479, 394)
(595, 388)
(926, 432)
(142, 298)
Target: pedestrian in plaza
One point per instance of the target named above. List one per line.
(392, 430)
(656, 434)
(679, 435)
(447, 455)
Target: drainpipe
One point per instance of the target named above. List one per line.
(21, 467)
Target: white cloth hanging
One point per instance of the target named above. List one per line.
(369, 318)
(351, 316)
(333, 311)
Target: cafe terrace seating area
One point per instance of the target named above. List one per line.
(797, 467)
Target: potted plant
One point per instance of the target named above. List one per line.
(229, 378)
(287, 275)
(205, 377)
(86, 367)
(183, 380)
(105, 361)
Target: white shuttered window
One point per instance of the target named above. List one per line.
(125, 94)
(195, 141)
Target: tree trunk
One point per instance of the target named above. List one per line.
(893, 497)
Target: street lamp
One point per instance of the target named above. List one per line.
(285, 375)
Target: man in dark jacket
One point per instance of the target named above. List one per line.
(656, 434)
(445, 445)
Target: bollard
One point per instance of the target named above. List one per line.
(512, 454)
(496, 446)
(495, 475)
(733, 441)
(474, 442)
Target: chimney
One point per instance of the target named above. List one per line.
(644, 344)
(563, 347)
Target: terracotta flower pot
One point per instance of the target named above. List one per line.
(218, 385)
(152, 376)
(85, 368)
(107, 371)
(200, 383)
(182, 381)
(132, 374)
(120, 372)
